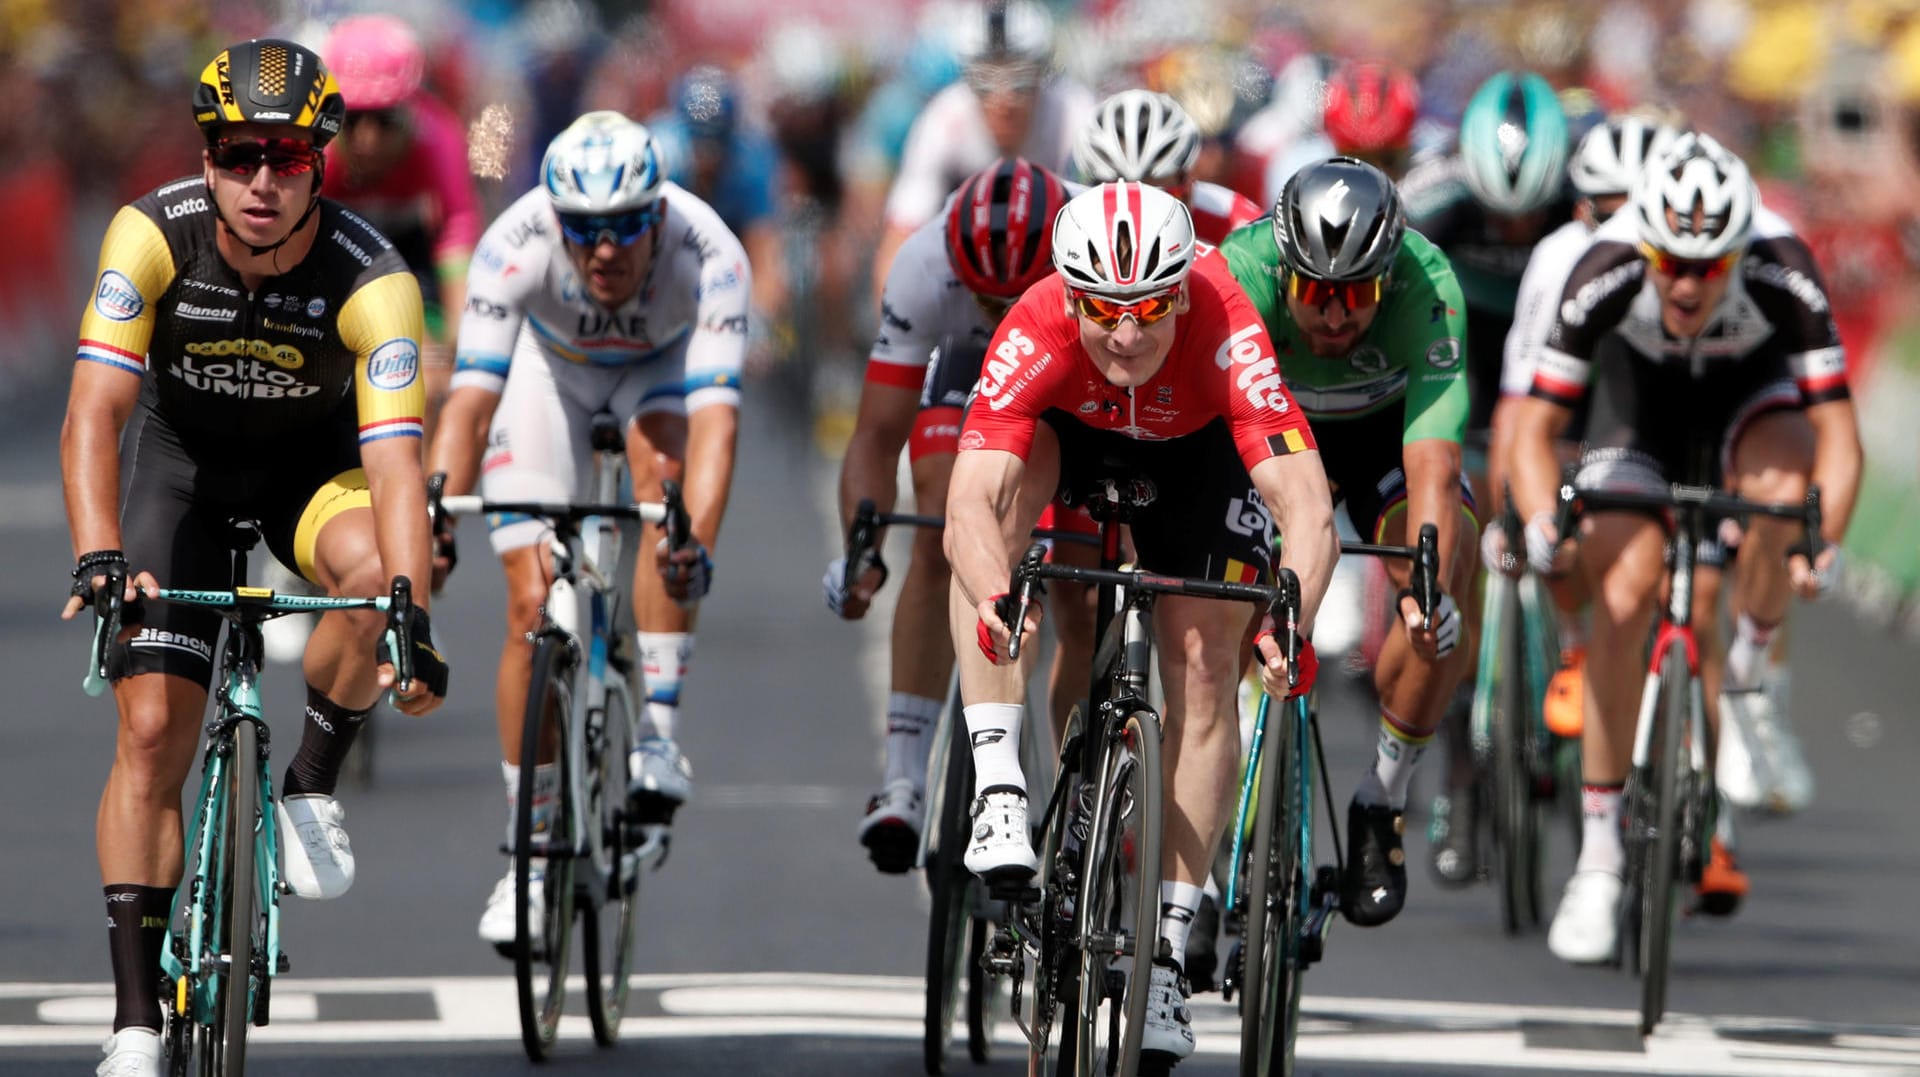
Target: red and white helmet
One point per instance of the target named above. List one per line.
(1121, 240)
(377, 60)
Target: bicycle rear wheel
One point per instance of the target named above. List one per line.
(1663, 857)
(950, 886)
(541, 942)
(607, 979)
(233, 997)
(1276, 905)
(1118, 928)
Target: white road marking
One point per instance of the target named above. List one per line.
(1490, 1037)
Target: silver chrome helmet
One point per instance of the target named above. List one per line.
(1339, 219)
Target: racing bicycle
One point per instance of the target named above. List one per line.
(223, 948)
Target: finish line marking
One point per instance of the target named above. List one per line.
(1494, 1037)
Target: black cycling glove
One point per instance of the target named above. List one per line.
(428, 667)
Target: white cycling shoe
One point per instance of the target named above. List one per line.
(316, 858)
(131, 1052)
(658, 773)
(1586, 928)
(1000, 851)
(891, 829)
(1759, 765)
(1169, 1026)
(498, 923)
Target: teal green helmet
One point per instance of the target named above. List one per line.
(1514, 143)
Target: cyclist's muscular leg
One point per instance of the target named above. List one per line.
(656, 451)
(921, 609)
(1199, 666)
(1416, 690)
(1623, 557)
(340, 655)
(138, 829)
(1771, 462)
(526, 569)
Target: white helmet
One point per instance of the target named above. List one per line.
(1003, 31)
(1611, 156)
(1137, 135)
(1121, 240)
(602, 164)
(1695, 200)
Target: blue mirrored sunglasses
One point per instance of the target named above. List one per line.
(587, 229)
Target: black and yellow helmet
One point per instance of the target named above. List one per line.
(269, 81)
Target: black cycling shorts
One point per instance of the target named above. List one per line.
(1206, 520)
(1682, 427)
(1364, 462)
(178, 496)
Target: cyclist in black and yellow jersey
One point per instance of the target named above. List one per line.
(249, 350)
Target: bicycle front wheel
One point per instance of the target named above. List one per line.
(234, 996)
(543, 884)
(1118, 930)
(950, 886)
(1663, 850)
(1515, 820)
(1276, 906)
(607, 977)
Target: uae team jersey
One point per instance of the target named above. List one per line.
(232, 368)
(1775, 301)
(1221, 367)
(693, 304)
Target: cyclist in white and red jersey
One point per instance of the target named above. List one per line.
(1143, 351)
(1147, 137)
(1006, 105)
(952, 281)
(1702, 323)
(605, 288)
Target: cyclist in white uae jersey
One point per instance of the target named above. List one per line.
(1006, 105)
(607, 288)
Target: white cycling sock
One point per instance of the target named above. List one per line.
(1747, 655)
(1396, 754)
(546, 790)
(1179, 904)
(994, 731)
(1601, 848)
(909, 719)
(663, 663)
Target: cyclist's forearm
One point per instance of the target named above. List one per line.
(1533, 467)
(1836, 464)
(90, 476)
(461, 436)
(1432, 468)
(867, 471)
(1296, 492)
(711, 436)
(979, 497)
(397, 486)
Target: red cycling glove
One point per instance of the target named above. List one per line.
(1306, 664)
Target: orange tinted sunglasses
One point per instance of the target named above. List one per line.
(1705, 268)
(1106, 313)
(1352, 294)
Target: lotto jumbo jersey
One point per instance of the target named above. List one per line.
(226, 365)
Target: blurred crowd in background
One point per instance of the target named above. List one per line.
(1821, 96)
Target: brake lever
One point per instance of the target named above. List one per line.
(860, 538)
(1426, 574)
(1026, 582)
(400, 629)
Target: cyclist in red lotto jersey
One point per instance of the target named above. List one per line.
(1140, 351)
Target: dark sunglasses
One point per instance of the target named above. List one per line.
(1352, 294)
(386, 119)
(588, 229)
(1705, 268)
(1106, 313)
(244, 156)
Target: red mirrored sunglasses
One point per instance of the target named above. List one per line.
(243, 156)
(1352, 294)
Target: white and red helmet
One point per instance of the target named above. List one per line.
(1122, 240)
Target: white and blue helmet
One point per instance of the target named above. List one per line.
(603, 164)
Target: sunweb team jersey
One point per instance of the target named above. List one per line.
(692, 305)
(1221, 367)
(1775, 300)
(231, 368)
(1411, 354)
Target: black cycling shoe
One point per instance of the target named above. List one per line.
(1203, 954)
(1375, 886)
(1455, 838)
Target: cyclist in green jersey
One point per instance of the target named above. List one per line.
(1369, 326)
